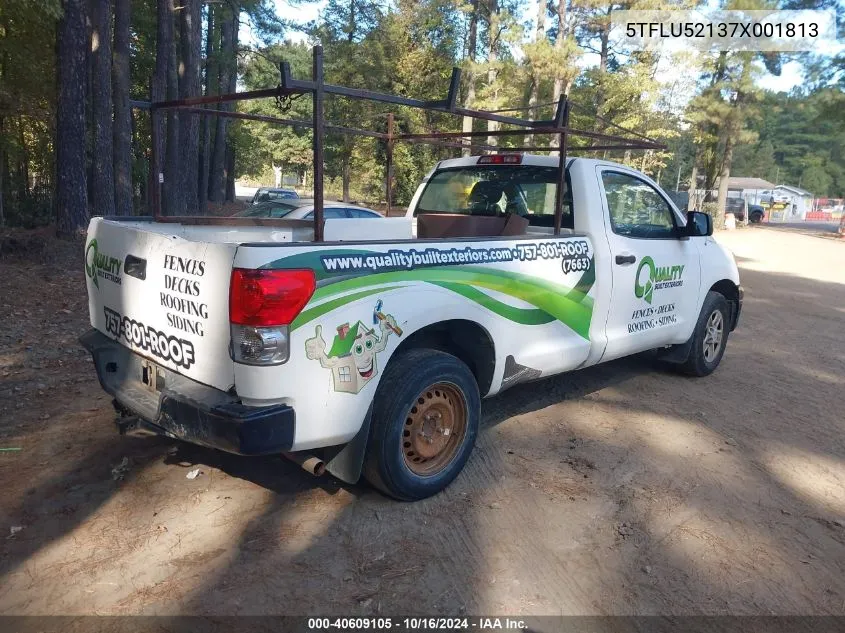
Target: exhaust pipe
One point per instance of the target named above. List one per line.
(308, 463)
(133, 426)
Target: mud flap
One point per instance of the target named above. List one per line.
(677, 353)
(347, 460)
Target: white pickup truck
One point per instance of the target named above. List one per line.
(372, 350)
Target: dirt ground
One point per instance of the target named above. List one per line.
(621, 489)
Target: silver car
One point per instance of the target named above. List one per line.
(267, 194)
(303, 209)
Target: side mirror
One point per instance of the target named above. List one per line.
(699, 224)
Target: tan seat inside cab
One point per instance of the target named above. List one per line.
(484, 220)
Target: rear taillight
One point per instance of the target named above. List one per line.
(269, 297)
(262, 304)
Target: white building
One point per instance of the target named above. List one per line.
(783, 203)
(751, 189)
(798, 201)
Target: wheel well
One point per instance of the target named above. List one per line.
(729, 291)
(465, 339)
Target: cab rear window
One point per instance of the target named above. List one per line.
(494, 190)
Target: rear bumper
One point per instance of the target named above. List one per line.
(185, 409)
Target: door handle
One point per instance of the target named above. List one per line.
(624, 260)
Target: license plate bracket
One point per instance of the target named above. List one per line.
(152, 376)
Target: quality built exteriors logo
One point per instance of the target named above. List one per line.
(650, 278)
(99, 265)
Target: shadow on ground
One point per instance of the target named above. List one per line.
(620, 489)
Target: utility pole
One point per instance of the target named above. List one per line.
(678, 181)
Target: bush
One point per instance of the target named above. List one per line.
(31, 211)
(712, 209)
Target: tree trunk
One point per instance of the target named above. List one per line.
(158, 89)
(724, 175)
(345, 160)
(174, 199)
(217, 177)
(4, 170)
(122, 111)
(534, 96)
(601, 96)
(211, 77)
(230, 173)
(232, 87)
(23, 163)
(101, 108)
(693, 184)
(466, 124)
(71, 66)
(190, 43)
(492, 60)
(472, 49)
(558, 88)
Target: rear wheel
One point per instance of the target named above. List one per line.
(710, 336)
(425, 420)
(756, 217)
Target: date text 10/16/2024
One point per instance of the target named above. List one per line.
(416, 623)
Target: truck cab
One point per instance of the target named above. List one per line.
(650, 266)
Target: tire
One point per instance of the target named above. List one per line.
(422, 393)
(714, 318)
(756, 217)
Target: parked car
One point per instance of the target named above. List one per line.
(738, 207)
(303, 209)
(756, 213)
(264, 194)
(371, 356)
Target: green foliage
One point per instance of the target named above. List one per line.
(260, 145)
(409, 47)
(800, 141)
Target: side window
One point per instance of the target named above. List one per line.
(636, 209)
(330, 213)
(361, 213)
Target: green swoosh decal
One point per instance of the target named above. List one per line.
(571, 306)
(319, 310)
(566, 305)
(531, 316)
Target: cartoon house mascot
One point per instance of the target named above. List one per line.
(352, 357)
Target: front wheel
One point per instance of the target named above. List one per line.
(425, 420)
(756, 217)
(710, 336)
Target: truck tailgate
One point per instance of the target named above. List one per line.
(162, 296)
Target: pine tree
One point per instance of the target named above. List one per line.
(71, 182)
(121, 82)
(102, 187)
(190, 42)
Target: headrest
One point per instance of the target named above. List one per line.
(485, 193)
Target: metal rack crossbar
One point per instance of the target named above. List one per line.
(318, 89)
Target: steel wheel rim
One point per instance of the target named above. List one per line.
(713, 335)
(434, 429)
